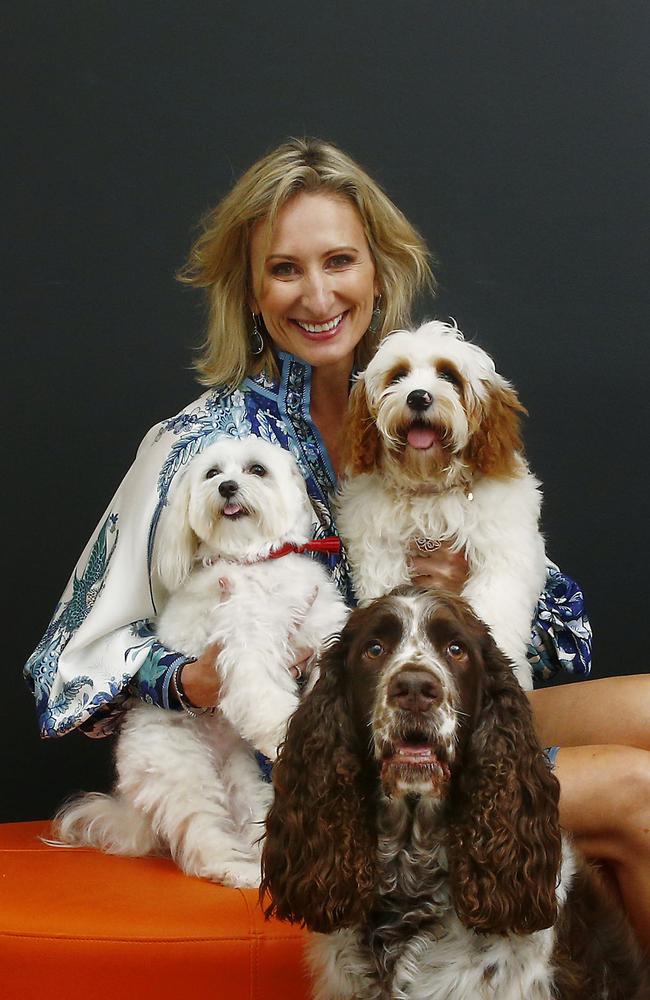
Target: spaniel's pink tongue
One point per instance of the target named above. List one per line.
(232, 508)
(421, 437)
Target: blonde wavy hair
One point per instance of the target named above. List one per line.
(219, 259)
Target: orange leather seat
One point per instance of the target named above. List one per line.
(76, 924)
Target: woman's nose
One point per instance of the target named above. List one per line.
(318, 295)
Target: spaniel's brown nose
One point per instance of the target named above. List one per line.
(414, 691)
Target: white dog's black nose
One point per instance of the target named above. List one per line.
(419, 399)
(228, 488)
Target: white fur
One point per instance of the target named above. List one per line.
(192, 787)
(498, 530)
(449, 962)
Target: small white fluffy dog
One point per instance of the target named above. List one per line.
(435, 454)
(192, 787)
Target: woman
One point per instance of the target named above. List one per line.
(307, 264)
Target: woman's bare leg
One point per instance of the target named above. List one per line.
(587, 713)
(605, 804)
(603, 729)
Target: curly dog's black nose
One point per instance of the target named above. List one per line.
(419, 399)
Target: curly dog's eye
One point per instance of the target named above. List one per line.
(397, 375)
(449, 374)
(373, 650)
(456, 650)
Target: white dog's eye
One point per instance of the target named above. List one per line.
(257, 470)
(211, 473)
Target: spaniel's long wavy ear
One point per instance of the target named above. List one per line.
(318, 855)
(505, 843)
(175, 541)
(361, 441)
(496, 437)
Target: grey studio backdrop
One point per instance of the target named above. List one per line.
(511, 133)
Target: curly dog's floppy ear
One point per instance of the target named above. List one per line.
(361, 442)
(318, 856)
(496, 438)
(505, 845)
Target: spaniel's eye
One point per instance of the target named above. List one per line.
(373, 650)
(211, 473)
(257, 470)
(397, 375)
(455, 650)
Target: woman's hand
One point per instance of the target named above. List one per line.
(202, 684)
(434, 564)
(200, 678)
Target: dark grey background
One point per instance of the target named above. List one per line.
(511, 133)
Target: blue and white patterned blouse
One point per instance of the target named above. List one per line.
(101, 643)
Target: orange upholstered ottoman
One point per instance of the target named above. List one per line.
(76, 924)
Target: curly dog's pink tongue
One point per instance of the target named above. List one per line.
(421, 437)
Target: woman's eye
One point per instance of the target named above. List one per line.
(340, 260)
(211, 473)
(374, 650)
(257, 470)
(455, 650)
(283, 270)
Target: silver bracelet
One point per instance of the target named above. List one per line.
(193, 711)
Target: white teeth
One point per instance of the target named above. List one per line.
(320, 327)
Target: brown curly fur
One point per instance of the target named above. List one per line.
(341, 851)
(496, 433)
(361, 441)
(318, 863)
(504, 836)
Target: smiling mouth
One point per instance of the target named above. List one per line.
(422, 436)
(321, 330)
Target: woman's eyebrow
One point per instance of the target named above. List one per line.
(326, 253)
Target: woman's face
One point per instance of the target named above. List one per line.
(315, 283)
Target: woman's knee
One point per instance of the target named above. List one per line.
(605, 797)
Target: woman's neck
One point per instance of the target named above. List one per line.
(329, 402)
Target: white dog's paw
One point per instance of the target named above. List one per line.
(239, 875)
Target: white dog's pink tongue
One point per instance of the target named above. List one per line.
(421, 437)
(232, 508)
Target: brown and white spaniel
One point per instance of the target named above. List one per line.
(415, 826)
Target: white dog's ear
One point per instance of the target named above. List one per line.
(361, 443)
(175, 541)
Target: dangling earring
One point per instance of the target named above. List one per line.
(375, 319)
(257, 342)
